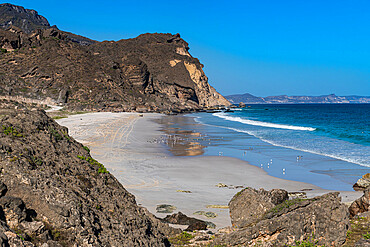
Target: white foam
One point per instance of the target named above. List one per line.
(355, 160)
(259, 123)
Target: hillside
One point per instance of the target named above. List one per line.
(153, 72)
(52, 191)
(284, 99)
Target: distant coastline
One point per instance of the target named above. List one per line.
(285, 99)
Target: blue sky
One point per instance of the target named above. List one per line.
(295, 47)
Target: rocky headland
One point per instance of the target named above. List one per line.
(153, 72)
(54, 193)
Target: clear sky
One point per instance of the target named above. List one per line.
(296, 47)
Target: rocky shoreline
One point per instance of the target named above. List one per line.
(53, 192)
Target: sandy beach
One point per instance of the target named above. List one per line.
(127, 144)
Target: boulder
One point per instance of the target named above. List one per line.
(181, 219)
(249, 205)
(323, 219)
(242, 105)
(361, 204)
(363, 183)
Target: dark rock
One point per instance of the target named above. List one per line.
(3, 188)
(323, 217)
(26, 19)
(181, 219)
(57, 191)
(241, 105)
(249, 205)
(102, 76)
(363, 243)
(14, 210)
(361, 204)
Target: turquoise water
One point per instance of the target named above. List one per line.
(337, 131)
(325, 145)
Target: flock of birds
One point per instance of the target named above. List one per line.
(174, 139)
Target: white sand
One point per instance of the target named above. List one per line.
(123, 143)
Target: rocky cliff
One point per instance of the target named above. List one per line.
(52, 191)
(153, 72)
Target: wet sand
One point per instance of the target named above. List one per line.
(132, 149)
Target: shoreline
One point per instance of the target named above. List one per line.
(125, 144)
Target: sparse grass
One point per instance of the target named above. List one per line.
(59, 117)
(37, 161)
(92, 161)
(11, 131)
(286, 204)
(310, 242)
(64, 114)
(181, 239)
(57, 136)
(13, 159)
(86, 148)
(366, 235)
(359, 228)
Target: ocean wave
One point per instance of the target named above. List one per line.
(259, 123)
(356, 159)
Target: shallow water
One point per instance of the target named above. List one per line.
(210, 134)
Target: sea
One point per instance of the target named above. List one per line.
(327, 145)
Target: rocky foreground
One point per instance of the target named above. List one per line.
(53, 192)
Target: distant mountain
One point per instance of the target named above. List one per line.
(284, 99)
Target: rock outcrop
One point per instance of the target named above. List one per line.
(26, 19)
(250, 205)
(363, 183)
(361, 205)
(181, 219)
(323, 219)
(153, 71)
(53, 192)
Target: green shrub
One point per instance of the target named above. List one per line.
(366, 235)
(2, 50)
(181, 239)
(86, 148)
(57, 136)
(94, 162)
(11, 131)
(81, 157)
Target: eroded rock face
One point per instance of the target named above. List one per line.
(323, 217)
(27, 19)
(361, 204)
(54, 191)
(363, 183)
(250, 205)
(155, 70)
